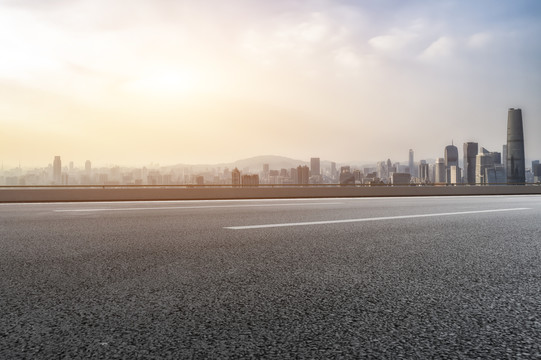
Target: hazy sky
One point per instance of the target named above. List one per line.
(131, 82)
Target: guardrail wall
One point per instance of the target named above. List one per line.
(209, 193)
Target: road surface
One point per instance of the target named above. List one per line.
(454, 277)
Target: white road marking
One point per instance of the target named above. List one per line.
(196, 207)
(367, 219)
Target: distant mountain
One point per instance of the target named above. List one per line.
(253, 164)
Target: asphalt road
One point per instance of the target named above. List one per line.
(453, 277)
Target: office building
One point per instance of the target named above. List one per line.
(303, 174)
(439, 171)
(315, 167)
(381, 169)
(536, 170)
(470, 153)
(400, 178)
(423, 172)
(489, 169)
(235, 177)
(346, 177)
(411, 164)
(455, 175)
(516, 167)
(483, 161)
(57, 170)
(293, 175)
(250, 180)
(504, 156)
(451, 159)
(495, 175)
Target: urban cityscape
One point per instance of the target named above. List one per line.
(476, 166)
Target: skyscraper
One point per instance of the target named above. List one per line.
(57, 170)
(470, 152)
(411, 164)
(516, 167)
(439, 176)
(451, 159)
(423, 171)
(315, 167)
(454, 175)
(303, 174)
(333, 170)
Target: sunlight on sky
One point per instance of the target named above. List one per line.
(170, 82)
(166, 83)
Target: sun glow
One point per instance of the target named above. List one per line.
(167, 82)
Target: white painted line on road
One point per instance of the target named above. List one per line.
(368, 219)
(197, 207)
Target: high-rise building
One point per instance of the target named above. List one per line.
(470, 152)
(451, 159)
(488, 168)
(536, 170)
(315, 167)
(381, 169)
(250, 180)
(346, 177)
(454, 175)
(495, 175)
(57, 170)
(88, 167)
(303, 174)
(423, 171)
(439, 171)
(504, 156)
(484, 161)
(293, 175)
(411, 164)
(516, 167)
(235, 177)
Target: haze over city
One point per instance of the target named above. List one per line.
(135, 82)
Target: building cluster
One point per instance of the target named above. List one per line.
(478, 166)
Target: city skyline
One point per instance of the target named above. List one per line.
(210, 82)
(469, 153)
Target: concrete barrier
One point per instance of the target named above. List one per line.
(10, 195)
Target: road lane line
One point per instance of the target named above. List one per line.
(196, 207)
(368, 219)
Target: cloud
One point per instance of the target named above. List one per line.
(396, 40)
(479, 40)
(308, 43)
(439, 49)
(348, 58)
